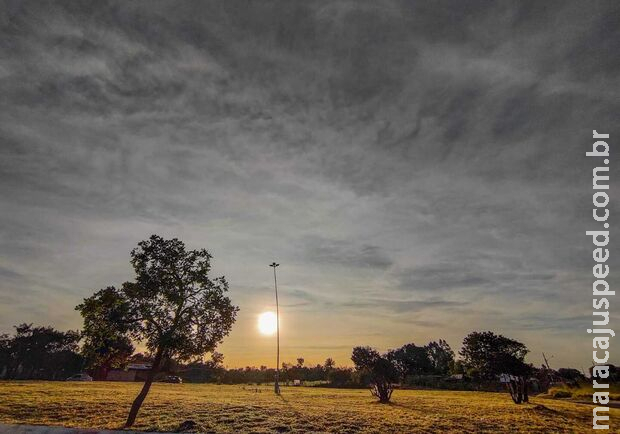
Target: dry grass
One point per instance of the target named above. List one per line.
(249, 409)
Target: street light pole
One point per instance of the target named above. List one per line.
(275, 283)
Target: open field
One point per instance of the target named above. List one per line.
(251, 409)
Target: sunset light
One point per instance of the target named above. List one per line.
(267, 323)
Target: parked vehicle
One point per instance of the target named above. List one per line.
(172, 379)
(80, 377)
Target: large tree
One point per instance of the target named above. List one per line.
(490, 355)
(173, 307)
(441, 356)
(410, 360)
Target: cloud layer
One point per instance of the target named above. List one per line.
(418, 168)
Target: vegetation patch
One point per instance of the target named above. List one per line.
(582, 392)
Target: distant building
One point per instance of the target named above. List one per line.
(133, 372)
(455, 378)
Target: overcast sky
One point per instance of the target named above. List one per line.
(418, 168)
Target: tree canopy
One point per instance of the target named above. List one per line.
(410, 360)
(108, 331)
(489, 355)
(441, 356)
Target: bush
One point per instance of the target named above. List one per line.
(561, 393)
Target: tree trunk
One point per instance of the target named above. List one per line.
(513, 388)
(383, 391)
(518, 389)
(524, 393)
(137, 403)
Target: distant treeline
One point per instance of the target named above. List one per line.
(41, 353)
(48, 354)
(436, 358)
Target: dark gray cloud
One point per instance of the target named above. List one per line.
(422, 158)
(401, 306)
(343, 253)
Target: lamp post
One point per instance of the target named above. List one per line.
(275, 283)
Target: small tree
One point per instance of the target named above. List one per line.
(379, 369)
(329, 364)
(173, 307)
(298, 372)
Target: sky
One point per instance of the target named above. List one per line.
(417, 168)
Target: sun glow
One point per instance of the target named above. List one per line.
(267, 323)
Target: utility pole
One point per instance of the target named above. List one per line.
(275, 283)
(546, 362)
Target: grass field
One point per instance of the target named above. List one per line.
(251, 409)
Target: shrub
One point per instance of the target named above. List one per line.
(560, 393)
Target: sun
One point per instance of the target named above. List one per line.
(267, 323)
